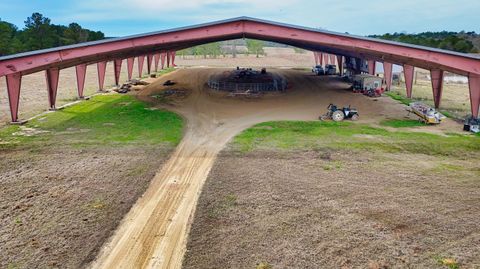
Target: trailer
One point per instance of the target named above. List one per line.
(426, 114)
(368, 85)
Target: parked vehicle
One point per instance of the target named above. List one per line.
(318, 70)
(330, 69)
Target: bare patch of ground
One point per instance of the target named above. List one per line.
(336, 209)
(60, 204)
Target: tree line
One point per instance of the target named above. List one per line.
(40, 33)
(460, 42)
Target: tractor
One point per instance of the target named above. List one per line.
(336, 114)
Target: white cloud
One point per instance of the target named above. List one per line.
(374, 16)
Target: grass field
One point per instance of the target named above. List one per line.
(296, 194)
(104, 119)
(291, 135)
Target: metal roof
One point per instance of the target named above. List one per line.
(238, 19)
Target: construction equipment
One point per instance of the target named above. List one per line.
(426, 113)
(336, 114)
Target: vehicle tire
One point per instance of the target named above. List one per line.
(355, 117)
(338, 115)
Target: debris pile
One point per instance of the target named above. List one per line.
(126, 87)
(426, 114)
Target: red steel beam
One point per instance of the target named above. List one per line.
(81, 71)
(325, 58)
(242, 27)
(163, 55)
(387, 74)
(156, 61)
(168, 58)
(101, 69)
(315, 56)
(149, 63)
(474, 86)
(130, 62)
(340, 64)
(332, 59)
(141, 59)
(320, 58)
(14, 82)
(408, 72)
(436, 76)
(174, 55)
(52, 77)
(117, 68)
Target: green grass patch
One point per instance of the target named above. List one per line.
(396, 123)
(307, 135)
(104, 119)
(165, 71)
(397, 96)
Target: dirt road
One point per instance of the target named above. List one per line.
(153, 234)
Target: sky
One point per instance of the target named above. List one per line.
(127, 17)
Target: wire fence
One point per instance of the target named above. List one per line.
(278, 83)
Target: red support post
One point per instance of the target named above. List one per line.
(332, 59)
(101, 69)
(340, 64)
(117, 68)
(474, 86)
(52, 75)
(437, 85)
(408, 71)
(81, 71)
(173, 55)
(325, 58)
(315, 55)
(14, 82)
(149, 63)
(141, 59)
(156, 60)
(130, 62)
(168, 58)
(387, 74)
(163, 55)
(320, 58)
(372, 64)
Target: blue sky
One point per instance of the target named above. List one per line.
(126, 17)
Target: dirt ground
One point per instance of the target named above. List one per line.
(154, 233)
(281, 209)
(58, 205)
